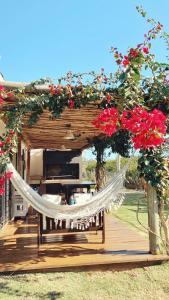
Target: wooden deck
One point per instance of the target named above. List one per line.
(124, 248)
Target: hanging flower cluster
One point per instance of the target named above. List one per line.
(147, 128)
(107, 121)
(134, 54)
(3, 178)
(140, 52)
(6, 146)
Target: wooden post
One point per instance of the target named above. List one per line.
(103, 229)
(153, 221)
(19, 157)
(28, 166)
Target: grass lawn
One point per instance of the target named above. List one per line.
(138, 284)
(128, 211)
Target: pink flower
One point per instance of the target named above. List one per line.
(8, 175)
(2, 88)
(2, 144)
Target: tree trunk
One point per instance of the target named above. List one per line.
(153, 221)
(100, 176)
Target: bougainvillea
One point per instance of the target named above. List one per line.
(107, 121)
(147, 128)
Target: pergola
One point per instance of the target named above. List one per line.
(50, 133)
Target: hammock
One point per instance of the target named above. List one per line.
(110, 196)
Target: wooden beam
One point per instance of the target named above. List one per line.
(15, 85)
(153, 221)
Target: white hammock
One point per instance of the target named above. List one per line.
(110, 196)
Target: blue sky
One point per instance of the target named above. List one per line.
(42, 38)
(47, 38)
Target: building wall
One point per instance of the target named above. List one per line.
(36, 164)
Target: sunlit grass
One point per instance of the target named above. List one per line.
(146, 283)
(134, 211)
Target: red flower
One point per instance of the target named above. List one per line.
(10, 96)
(125, 62)
(148, 128)
(2, 180)
(108, 98)
(8, 140)
(146, 50)
(11, 131)
(2, 191)
(134, 53)
(1, 152)
(71, 103)
(107, 121)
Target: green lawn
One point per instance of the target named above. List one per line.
(128, 211)
(138, 284)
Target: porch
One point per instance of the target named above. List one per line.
(124, 248)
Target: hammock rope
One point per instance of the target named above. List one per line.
(111, 196)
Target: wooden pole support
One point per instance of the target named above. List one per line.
(153, 221)
(118, 163)
(28, 166)
(19, 157)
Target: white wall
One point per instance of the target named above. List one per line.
(36, 164)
